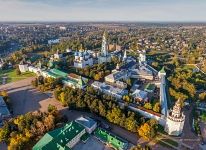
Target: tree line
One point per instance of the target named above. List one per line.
(104, 106)
(22, 131)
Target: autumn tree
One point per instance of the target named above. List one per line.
(156, 107)
(148, 105)
(149, 129)
(202, 96)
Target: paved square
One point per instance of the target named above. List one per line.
(91, 144)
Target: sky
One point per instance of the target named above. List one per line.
(103, 10)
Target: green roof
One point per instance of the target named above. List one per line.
(162, 70)
(58, 72)
(115, 141)
(79, 82)
(57, 139)
(55, 73)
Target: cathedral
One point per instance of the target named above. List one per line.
(83, 59)
(104, 56)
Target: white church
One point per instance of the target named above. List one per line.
(82, 59)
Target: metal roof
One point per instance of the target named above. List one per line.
(57, 139)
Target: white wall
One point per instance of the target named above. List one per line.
(161, 119)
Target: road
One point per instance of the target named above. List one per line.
(189, 137)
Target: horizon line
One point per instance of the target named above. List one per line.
(97, 21)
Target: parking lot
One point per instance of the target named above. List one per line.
(24, 98)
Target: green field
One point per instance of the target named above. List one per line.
(12, 76)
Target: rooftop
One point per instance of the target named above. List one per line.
(86, 121)
(162, 70)
(109, 89)
(57, 139)
(150, 87)
(115, 141)
(58, 72)
(139, 94)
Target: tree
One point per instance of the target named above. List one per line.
(4, 133)
(102, 109)
(145, 131)
(97, 77)
(148, 130)
(202, 96)
(130, 123)
(114, 115)
(148, 105)
(62, 98)
(4, 94)
(155, 64)
(51, 108)
(126, 98)
(156, 107)
(34, 82)
(18, 72)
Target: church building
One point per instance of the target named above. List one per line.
(83, 59)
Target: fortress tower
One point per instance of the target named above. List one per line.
(175, 120)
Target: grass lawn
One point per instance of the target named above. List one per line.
(12, 76)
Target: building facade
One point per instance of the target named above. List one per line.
(23, 67)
